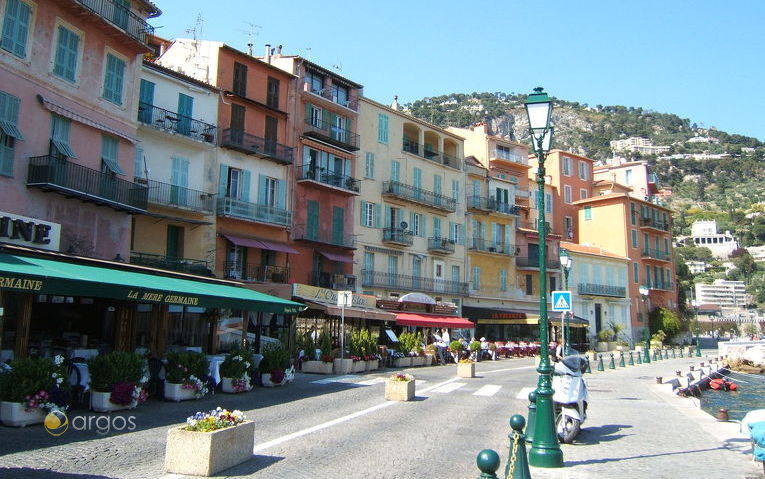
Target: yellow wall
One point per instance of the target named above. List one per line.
(150, 236)
(606, 228)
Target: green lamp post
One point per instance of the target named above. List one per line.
(566, 262)
(698, 344)
(545, 451)
(646, 334)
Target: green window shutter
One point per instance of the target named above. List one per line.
(437, 184)
(312, 220)
(494, 233)
(502, 280)
(113, 79)
(363, 214)
(308, 110)
(262, 189)
(185, 112)
(382, 128)
(281, 194)
(411, 221)
(146, 102)
(138, 163)
(452, 230)
(417, 178)
(6, 160)
(377, 215)
(508, 243)
(9, 115)
(67, 49)
(395, 169)
(456, 190)
(437, 227)
(173, 236)
(461, 239)
(338, 220)
(223, 181)
(387, 217)
(16, 27)
(424, 226)
(245, 185)
(588, 212)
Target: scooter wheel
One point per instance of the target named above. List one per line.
(567, 428)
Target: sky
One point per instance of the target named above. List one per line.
(701, 60)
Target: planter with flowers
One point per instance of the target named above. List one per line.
(185, 375)
(320, 367)
(209, 443)
(466, 368)
(235, 371)
(399, 387)
(400, 360)
(455, 348)
(359, 364)
(372, 362)
(117, 381)
(31, 389)
(275, 366)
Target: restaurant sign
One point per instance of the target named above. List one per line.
(154, 297)
(25, 231)
(329, 296)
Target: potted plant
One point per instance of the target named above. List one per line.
(401, 360)
(357, 352)
(616, 329)
(209, 442)
(430, 354)
(117, 381)
(235, 371)
(31, 389)
(324, 363)
(186, 374)
(475, 348)
(275, 367)
(455, 347)
(400, 387)
(466, 368)
(370, 348)
(604, 335)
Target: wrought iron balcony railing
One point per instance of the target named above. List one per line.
(398, 236)
(491, 204)
(481, 244)
(377, 279)
(244, 210)
(324, 279)
(419, 195)
(184, 265)
(663, 285)
(425, 151)
(327, 236)
(440, 245)
(653, 253)
(533, 262)
(165, 194)
(646, 222)
(173, 122)
(254, 145)
(505, 156)
(322, 175)
(70, 179)
(351, 102)
(119, 15)
(255, 272)
(326, 131)
(594, 289)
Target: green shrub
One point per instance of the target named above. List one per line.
(605, 335)
(275, 357)
(115, 367)
(455, 346)
(474, 345)
(28, 376)
(237, 364)
(326, 343)
(181, 365)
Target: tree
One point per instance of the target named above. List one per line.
(663, 319)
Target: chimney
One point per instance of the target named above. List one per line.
(268, 53)
(278, 50)
(249, 49)
(394, 105)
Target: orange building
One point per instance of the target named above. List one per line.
(571, 175)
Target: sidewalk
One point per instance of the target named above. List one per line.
(636, 428)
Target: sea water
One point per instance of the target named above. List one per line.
(749, 395)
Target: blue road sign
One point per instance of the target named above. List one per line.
(561, 301)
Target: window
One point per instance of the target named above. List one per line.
(529, 284)
(628, 177)
(382, 128)
(476, 278)
(503, 280)
(566, 166)
(369, 166)
(633, 234)
(312, 220)
(67, 53)
(174, 241)
(568, 226)
(456, 190)
(340, 95)
(635, 273)
(583, 170)
(315, 82)
(60, 128)
(455, 232)
(9, 132)
(632, 214)
(271, 191)
(109, 155)
(272, 93)
(138, 167)
(548, 203)
(567, 194)
(552, 283)
(16, 27)
(504, 152)
(114, 76)
(370, 214)
(588, 212)
(234, 184)
(582, 194)
(240, 79)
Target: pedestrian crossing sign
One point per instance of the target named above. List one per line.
(561, 301)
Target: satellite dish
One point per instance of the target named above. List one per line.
(404, 225)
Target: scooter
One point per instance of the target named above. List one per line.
(570, 397)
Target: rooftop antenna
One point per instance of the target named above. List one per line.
(251, 32)
(196, 30)
(338, 66)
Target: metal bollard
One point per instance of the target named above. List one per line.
(488, 463)
(518, 464)
(611, 364)
(654, 355)
(532, 416)
(631, 362)
(666, 354)
(681, 351)
(674, 356)
(621, 359)
(600, 363)
(640, 358)
(588, 370)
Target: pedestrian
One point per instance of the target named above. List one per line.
(445, 336)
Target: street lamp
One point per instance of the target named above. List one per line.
(646, 332)
(565, 262)
(545, 450)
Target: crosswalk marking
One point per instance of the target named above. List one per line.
(447, 388)
(488, 390)
(356, 380)
(524, 393)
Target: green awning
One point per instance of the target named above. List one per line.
(44, 276)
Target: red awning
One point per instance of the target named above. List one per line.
(432, 321)
(336, 257)
(281, 247)
(260, 244)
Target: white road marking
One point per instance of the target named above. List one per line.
(488, 390)
(447, 388)
(507, 369)
(336, 379)
(524, 393)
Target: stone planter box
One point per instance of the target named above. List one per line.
(317, 367)
(601, 347)
(226, 385)
(466, 370)
(100, 402)
(372, 364)
(399, 390)
(206, 453)
(359, 367)
(343, 366)
(418, 361)
(405, 362)
(428, 360)
(265, 380)
(13, 414)
(176, 392)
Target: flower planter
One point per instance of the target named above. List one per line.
(99, 402)
(466, 370)
(428, 360)
(227, 385)
(405, 362)
(265, 380)
(176, 392)
(399, 390)
(13, 414)
(317, 367)
(372, 364)
(418, 361)
(343, 366)
(601, 347)
(206, 453)
(359, 366)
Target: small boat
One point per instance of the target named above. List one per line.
(720, 384)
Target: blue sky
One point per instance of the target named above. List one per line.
(701, 60)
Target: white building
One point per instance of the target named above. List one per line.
(726, 294)
(757, 253)
(704, 234)
(637, 144)
(696, 267)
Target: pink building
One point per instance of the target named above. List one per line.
(68, 70)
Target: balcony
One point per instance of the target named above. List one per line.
(326, 131)
(503, 155)
(172, 263)
(352, 102)
(651, 223)
(398, 236)
(325, 178)
(661, 285)
(243, 210)
(338, 281)
(440, 245)
(255, 272)
(327, 236)
(653, 253)
(481, 203)
(112, 12)
(481, 244)
(377, 279)
(164, 194)
(532, 225)
(172, 122)
(254, 145)
(406, 192)
(533, 262)
(592, 289)
(425, 151)
(76, 181)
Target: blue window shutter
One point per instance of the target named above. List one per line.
(16, 27)
(483, 230)
(387, 217)
(138, 163)
(437, 184)
(223, 181)
(508, 243)
(493, 233)
(185, 112)
(281, 194)
(363, 214)
(146, 102)
(6, 160)
(113, 79)
(462, 234)
(451, 231)
(261, 189)
(436, 227)
(395, 168)
(417, 178)
(378, 220)
(411, 221)
(424, 226)
(246, 185)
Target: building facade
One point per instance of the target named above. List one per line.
(704, 234)
(723, 293)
